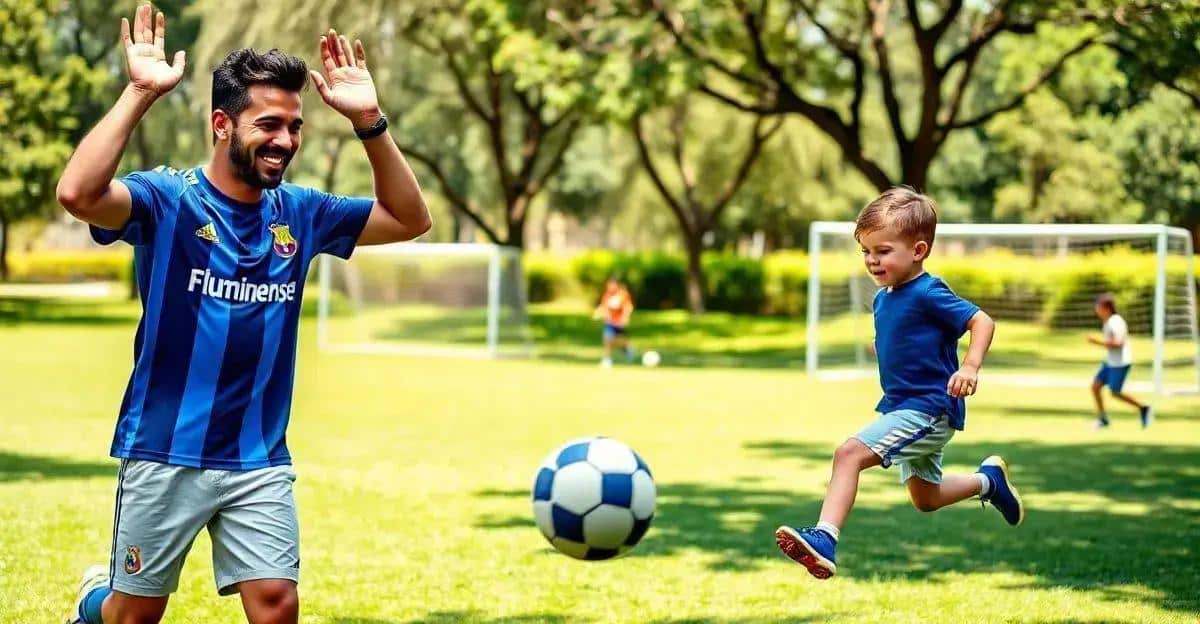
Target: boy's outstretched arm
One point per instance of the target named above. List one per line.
(964, 382)
(1103, 342)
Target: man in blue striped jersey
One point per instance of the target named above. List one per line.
(221, 252)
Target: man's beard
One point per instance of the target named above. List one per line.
(243, 164)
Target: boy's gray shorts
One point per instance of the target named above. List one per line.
(912, 439)
(160, 509)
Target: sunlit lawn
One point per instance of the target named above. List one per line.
(414, 476)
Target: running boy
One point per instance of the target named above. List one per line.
(918, 321)
(616, 306)
(1115, 367)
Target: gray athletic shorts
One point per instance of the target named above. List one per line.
(160, 509)
(912, 439)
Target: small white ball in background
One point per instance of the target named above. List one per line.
(651, 358)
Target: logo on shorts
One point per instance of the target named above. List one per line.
(133, 560)
(285, 244)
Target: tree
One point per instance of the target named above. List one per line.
(39, 91)
(1160, 151)
(1069, 171)
(488, 104)
(823, 60)
(1159, 47)
(799, 178)
(698, 201)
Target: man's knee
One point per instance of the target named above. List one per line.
(272, 601)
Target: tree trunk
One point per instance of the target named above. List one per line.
(456, 226)
(516, 234)
(694, 242)
(333, 153)
(916, 166)
(3, 249)
(517, 212)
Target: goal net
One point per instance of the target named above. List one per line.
(425, 298)
(1040, 283)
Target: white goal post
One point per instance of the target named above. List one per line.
(456, 299)
(1040, 282)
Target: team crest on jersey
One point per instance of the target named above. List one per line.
(285, 244)
(133, 560)
(208, 233)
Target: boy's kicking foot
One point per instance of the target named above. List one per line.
(812, 548)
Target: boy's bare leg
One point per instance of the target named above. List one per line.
(928, 496)
(1128, 399)
(1096, 387)
(851, 458)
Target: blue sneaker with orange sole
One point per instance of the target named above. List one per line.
(1003, 494)
(812, 548)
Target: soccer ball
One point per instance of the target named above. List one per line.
(651, 358)
(593, 498)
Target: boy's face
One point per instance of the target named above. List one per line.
(890, 259)
(1102, 311)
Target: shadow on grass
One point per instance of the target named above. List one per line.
(18, 467)
(453, 617)
(449, 617)
(16, 311)
(1122, 414)
(1113, 515)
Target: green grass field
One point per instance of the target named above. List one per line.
(414, 479)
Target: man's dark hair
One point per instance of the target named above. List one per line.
(1108, 302)
(246, 67)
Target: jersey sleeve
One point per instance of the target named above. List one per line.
(948, 310)
(338, 221)
(1116, 329)
(153, 193)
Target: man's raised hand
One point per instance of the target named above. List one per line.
(347, 86)
(145, 52)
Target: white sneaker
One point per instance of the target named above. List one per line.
(93, 577)
(606, 363)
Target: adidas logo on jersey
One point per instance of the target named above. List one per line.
(208, 233)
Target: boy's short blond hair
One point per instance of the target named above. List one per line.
(913, 215)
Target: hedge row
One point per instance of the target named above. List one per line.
(1050, 289)
(70, 266)
(1055, 290)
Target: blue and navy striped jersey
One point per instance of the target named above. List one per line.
(221, 283)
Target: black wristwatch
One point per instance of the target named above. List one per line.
(379, 127)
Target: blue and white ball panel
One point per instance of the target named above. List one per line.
(616, 489)
(572, 453)
(543, 516)
(593, 498)
(577, 488)
(607, 526)
(569, 548)
(644, 493)
(610, 455)
(642, 465)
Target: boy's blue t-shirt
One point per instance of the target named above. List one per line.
(221, 284)
(917, 327)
